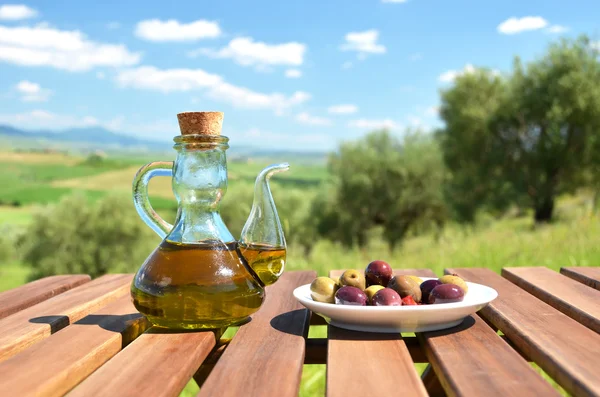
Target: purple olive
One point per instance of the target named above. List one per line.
(386, 297)
(426, 287)
(378, 273)
(348, 295)
(446, 293)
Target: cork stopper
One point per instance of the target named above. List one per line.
(200, 123)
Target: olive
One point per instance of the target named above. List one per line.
(426, 288)
(454, 279)
(348, 295)
(378, 273)
(419, 280)
(323, 289)
(406, 286)
(387, 297)
(370, 291)
(353, 278)
(446, 293)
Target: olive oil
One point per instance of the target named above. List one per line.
(198, 286)
(267, 261)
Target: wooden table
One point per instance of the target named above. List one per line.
(81, 337)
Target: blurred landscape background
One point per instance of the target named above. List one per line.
(508, 174)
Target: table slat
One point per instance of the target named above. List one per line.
(590, 276)
(23, 329)
(472, 360)
(157, 364)
(561, 346)
(370, 364)
(27, 295)
(574, 299)
(266, 356)
(64, 359)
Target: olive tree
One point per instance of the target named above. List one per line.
(382, 180)
(76, 236)
(529, 136)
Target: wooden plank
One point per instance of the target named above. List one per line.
(64, 359)
(574, 299)
(27, 295)
(29, 326)
(158, 363)
(565, 349)
(371, 364)
(472, 360)
(589, 276)
(265, 357)
(432, 383)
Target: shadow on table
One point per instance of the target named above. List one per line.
(294, 322)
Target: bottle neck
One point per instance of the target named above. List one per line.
(199, 184)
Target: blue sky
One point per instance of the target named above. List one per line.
(288, 74)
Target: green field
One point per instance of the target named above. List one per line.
(572, 240)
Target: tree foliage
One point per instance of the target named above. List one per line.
(382, 181)
(74, 236)
(526, 137)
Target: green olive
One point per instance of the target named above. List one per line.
(454, 279)
(370, 291)
(353, 278)
(323, 289)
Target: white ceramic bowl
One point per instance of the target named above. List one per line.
(393, 319)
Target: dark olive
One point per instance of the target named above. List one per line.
(426, 287)
(386, 297)
(348, 295)
(446, 293)
(378, 273)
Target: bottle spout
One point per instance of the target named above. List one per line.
(262, 237)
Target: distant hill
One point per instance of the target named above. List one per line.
(94, 138)
(97, 137)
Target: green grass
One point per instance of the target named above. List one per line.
(17, 216)
(509, 242)
(12, 274)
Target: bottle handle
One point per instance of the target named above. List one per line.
(140, 195)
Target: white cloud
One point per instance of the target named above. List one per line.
(247, 52)
(557, 29)
(293, 73)
(308, 141)
(173, 30)
(62, 49)
(517, 25)
(42, 119)
(184, 80)
(167, 80)
(373, 124)
(347, 65)
(306, 118)
(114, 25)
(15, 12)
(364, 43)
(244, 98)
(32, 92)
(450, 75)
(416, 57)
(343, 109)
